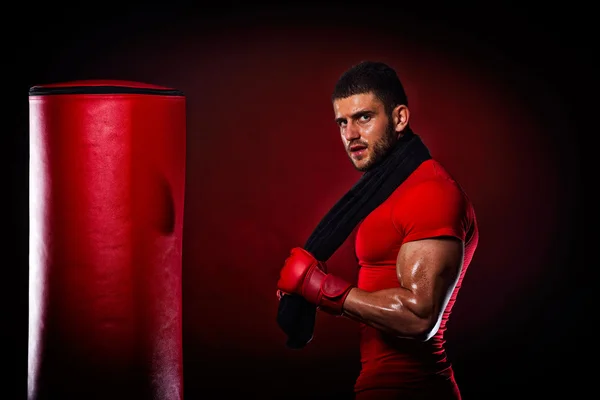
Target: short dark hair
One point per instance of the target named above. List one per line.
(372, 76)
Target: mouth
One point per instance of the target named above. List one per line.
(357, 150)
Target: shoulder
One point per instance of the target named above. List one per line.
(432, 183)
(432, 198)
(432, 205)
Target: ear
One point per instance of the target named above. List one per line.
(401, 115)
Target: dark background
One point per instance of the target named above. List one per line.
(500, 95)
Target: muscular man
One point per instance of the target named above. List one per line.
(413, 251)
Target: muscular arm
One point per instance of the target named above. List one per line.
(427, 270)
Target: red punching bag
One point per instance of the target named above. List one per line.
(107, 175)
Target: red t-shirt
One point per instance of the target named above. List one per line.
(428, 204)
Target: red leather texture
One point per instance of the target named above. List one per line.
(107, 175)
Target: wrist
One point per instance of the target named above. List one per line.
(327, 291)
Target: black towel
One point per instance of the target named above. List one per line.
(295, 316)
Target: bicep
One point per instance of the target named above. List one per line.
(429, 269)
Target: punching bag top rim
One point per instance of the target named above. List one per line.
(103, 87)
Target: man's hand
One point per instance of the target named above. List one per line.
(304, 275)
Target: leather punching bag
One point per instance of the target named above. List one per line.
(107, 174)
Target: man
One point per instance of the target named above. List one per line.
(413, 249)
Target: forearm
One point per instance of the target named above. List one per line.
(395, 311)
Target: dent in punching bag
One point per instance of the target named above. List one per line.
(107, 174)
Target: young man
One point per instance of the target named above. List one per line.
(413, 248)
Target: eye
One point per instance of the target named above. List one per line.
(365, 118)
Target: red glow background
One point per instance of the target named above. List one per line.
(265, 163)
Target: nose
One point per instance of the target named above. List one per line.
(351, 132)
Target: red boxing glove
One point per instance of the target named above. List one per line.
(304, 275)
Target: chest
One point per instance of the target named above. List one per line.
(378, 240)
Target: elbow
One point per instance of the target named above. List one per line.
(430, 327)
(422, 330)
(425, 330)
(425, 335)
(427, 323)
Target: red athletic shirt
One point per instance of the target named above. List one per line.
(428, 204)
